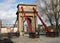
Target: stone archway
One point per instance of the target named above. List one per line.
(29, 13)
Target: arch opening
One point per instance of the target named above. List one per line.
(26, 29)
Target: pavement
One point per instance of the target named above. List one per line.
(41, 39)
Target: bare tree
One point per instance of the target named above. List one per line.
(51, 8)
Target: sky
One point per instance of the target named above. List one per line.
(8, 9)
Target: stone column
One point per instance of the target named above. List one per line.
(33, 24)
(35, 19)
(20, 24)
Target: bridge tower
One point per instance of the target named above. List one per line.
(29, 13)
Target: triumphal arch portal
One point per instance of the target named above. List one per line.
(31, 16)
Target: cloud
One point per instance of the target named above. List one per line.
(6, 4)
(8, 10)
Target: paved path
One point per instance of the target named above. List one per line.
(42, 39)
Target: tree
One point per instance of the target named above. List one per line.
(51, 8)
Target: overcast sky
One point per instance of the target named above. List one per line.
(8, 9)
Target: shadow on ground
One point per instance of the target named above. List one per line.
(6, 41)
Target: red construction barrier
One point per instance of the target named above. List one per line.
(26, 18)
(46, 28)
